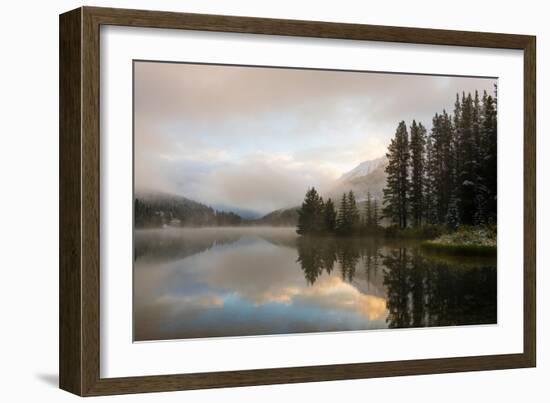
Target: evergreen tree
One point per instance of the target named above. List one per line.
(476, 129)
(330, 216)
(467, 178)
(449, 176)
(430, 183)
(488, 163)
(375, 216)
(444, 153)
(397, 186)
(310, 215)
(417, 150)
(452, 214)
(354, 217)
(342, 223)
(348, 220)
(480, 205)
(368, 214)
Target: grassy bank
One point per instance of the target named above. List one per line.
(424, 232)
(458, 249)
(465, 241)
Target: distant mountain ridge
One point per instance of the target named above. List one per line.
(364, 168)
(286, 217)
(154, 209)
(368, 176)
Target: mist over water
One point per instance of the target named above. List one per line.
(213, 282)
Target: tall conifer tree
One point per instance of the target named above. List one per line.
(417, 149)
(310, 215)
(466, 189)
(430, 183)
(330, 216)
(342, 221)
(489, 151)
(354, 217)
(397, 185)
(375, 216)
(368, 213)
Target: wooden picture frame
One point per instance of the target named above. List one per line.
(79, 280)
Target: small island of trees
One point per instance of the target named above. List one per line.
(317, 217)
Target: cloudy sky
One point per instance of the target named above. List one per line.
(256, 138)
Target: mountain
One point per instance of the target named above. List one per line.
(364, 168)
(161, 209)
(368, 176)
(287, 217)
(154, 209)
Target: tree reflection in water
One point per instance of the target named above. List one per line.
(212, 282)
(421, 290)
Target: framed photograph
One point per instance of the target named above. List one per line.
(249, 201)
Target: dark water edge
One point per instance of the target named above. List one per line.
(216, 282)
(459, 249)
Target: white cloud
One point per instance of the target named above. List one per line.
(257, 138)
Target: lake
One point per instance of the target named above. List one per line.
(243, 281)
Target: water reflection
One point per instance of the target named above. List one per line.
(250, 281)
(316, 255)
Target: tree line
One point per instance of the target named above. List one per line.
(319, 217)
(179, 212)
(447, 176)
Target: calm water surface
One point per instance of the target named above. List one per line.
(211, 282)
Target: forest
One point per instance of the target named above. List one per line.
(447, 177)
(317, 217)
(162, 209)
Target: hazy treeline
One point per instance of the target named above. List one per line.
(179, 211)
(279, 218)
(447, 176)
(319, 217)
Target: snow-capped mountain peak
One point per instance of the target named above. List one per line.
(364, 168)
